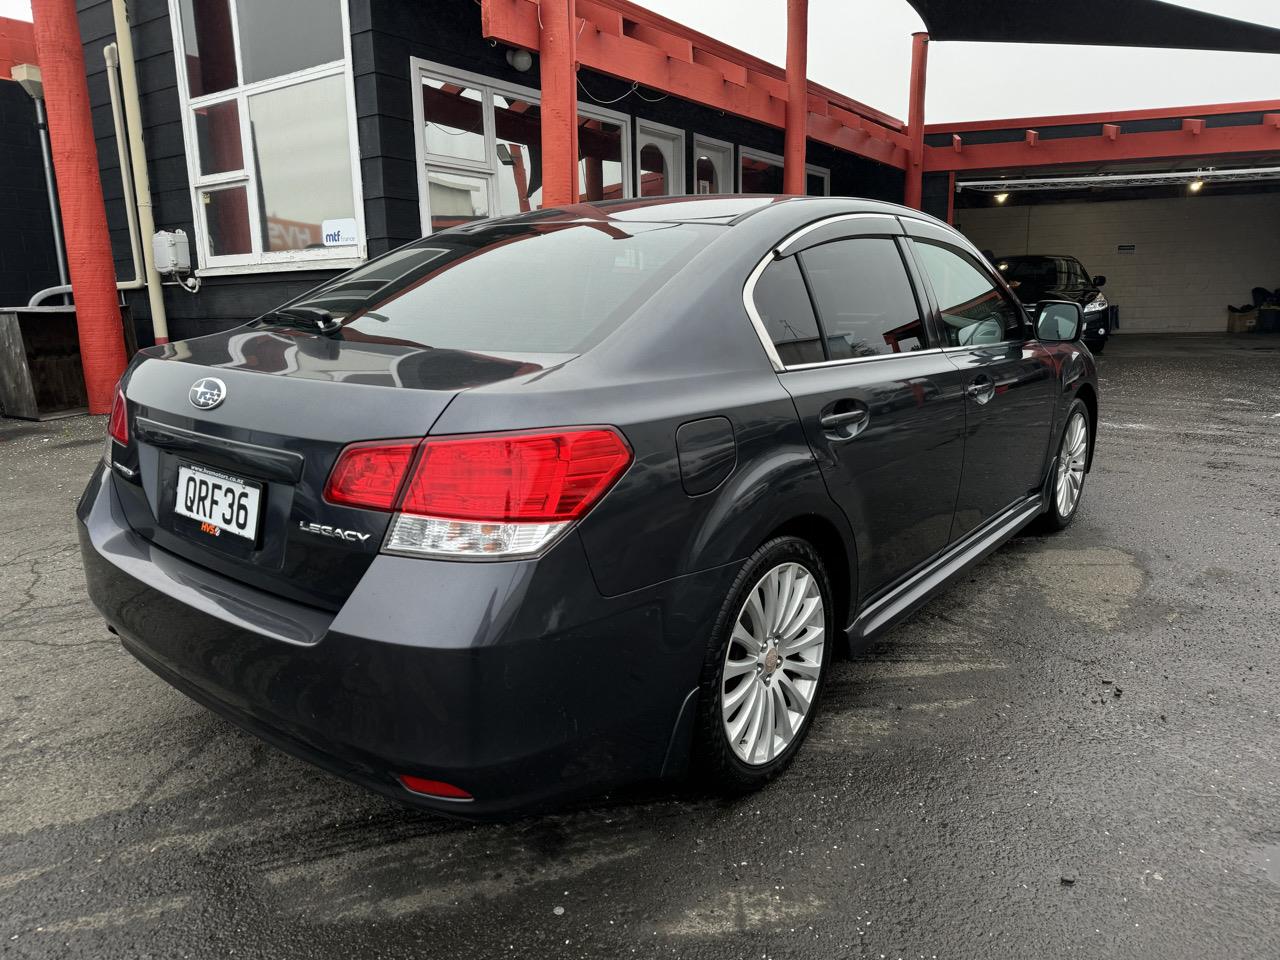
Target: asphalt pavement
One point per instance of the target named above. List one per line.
(1072, 752)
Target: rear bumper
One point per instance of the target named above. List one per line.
(516, 681)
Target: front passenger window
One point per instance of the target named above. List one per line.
(974, 311)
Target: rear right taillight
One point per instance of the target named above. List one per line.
(118, 425)
(495, 496)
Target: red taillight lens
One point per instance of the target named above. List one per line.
(369, 475)
(118, 425)
(434, 788)
(530, 477)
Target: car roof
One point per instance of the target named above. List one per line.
(725, 209)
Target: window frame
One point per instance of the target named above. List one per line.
(986, 270)
(712, 146)
(261, 259)
(794, 243)
(751, 153)
(673, 137)
(488, 88)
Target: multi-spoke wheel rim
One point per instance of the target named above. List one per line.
(772, 664)
(1075, 449)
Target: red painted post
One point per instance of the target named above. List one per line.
(797, 130)
(84, 214)
(915, 121)
(559, 70)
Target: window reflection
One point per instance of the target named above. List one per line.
(456, 198)
(299, 137)
(226, 214)
(518, 134)
(600, 160)
(210, 49)
(761, 176)
(454, 117)
(653, 172)
(218, 137)
(283, 36)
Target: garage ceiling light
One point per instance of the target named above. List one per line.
(1082, 181)
(1195, 185)
(1001, 197)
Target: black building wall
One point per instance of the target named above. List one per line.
(28, 261)
(384, 35)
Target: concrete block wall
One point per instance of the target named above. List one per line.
(1193, 255)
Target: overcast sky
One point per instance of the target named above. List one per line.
(863, 50)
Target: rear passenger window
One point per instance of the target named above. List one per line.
(783, 304)
(864, 299)
(974, 311)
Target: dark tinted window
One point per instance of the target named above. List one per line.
(783, 303)
(1044, 272)
(864, 299)
(973, 309)
(511, 287)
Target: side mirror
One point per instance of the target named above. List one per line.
(1099, 281)
(1058, 321)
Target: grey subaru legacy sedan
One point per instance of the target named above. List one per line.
(539, 506)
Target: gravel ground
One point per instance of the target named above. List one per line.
(1073, 752)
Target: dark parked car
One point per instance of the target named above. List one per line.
(542, 505)
(1038, 277)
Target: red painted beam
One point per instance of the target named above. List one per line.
(559, 72)
(797, 128)
(1254, 138)
(84, 214)
(718, 75)
(911, 194)
(1121, 116)
(1193, 126)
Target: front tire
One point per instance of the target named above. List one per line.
(765, 666)
(1069, 470)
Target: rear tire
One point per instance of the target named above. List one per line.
(1069, 471)
(765, 667)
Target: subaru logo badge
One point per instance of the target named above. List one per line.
(207, 393)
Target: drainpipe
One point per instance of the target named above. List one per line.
(797, 130)
(913, 188)
(84, 214)
(138, 161)
(55, 217)
(136, 282)
(111, 56)
(558, 69)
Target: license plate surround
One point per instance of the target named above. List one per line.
(207, 516)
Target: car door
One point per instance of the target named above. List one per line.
(882, 407)
(1008, 377)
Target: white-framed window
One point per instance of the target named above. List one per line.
(268, 117)
(659, 159)
(760, 172)
(713, 169)
(479, 145)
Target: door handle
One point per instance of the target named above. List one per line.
(844, 420)
(981, 389)
(833, 420)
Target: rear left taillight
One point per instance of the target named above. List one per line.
(503, 495)
(118, 425)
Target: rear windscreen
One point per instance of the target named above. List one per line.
(524, 287)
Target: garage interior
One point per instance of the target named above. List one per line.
(1181, 219)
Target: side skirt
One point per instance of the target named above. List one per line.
(912, 594)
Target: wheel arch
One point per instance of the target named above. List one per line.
(837, 552)
(1089, 397)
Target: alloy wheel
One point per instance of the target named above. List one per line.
(1071, 462)
(773, 663)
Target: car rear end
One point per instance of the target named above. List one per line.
(277, 528)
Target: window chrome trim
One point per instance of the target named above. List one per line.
(783, 248)
(749, 301)
(845, 361)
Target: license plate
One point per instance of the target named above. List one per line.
(220, 503)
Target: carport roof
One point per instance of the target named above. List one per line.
(1118, 23)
